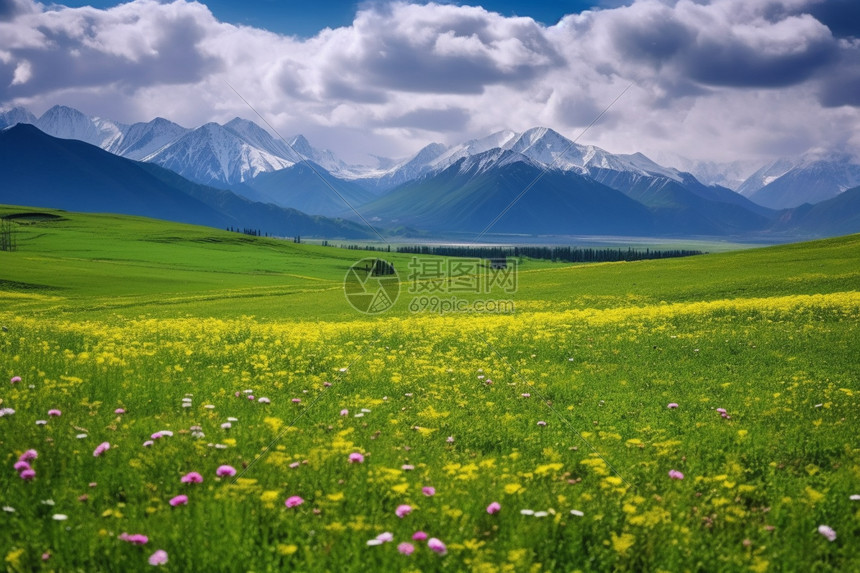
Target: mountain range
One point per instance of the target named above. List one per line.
(39, 170)
(571, 188)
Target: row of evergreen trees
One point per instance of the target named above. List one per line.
(557, 253)
(258, 233)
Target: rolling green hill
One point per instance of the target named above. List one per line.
(132, 265)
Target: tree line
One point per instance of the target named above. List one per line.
(565, 254)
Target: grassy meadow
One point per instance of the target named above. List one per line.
(538, 440)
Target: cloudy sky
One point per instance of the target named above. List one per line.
(708, 79)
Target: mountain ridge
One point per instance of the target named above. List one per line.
(242, 157)
(43, 171)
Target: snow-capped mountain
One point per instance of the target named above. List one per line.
(256, 136)
(222, 155)
(15, 115)
(572, 188)
(215, 155)
(730, 175)
(68, 123)
(787, 183)
(541, 145)
(301, 147)
(767, 175)
(140, 140)
(392, 173)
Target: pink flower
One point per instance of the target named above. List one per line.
(293, 501)
(296, 400)
(406, 548)
(419, 536)
(541, 423)
(28, 474)
(429, 491)
(494, 507)
(385, 537)
(192, 477)
(721, 410)
(29, 455)
(672, 405)
(21, 466)
(450, 439)
(54, 412)
(119, 411)
(101, 448)
(675, 474)
(147, 443)
(225, 470)
(179, 500)
(158, 558)
(46, 555)
(344, 412)
(327, 384)
(251, 397)
(15, 380)
(403, 510)
(437, 546)
(356, 458)
(133, 538)
(526, 395)
(827, 532)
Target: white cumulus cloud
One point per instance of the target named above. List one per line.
(715, 79)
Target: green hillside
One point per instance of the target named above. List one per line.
(133, 266)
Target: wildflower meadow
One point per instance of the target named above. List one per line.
(593, 429)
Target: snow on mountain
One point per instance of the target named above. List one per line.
(540, 145)
(730, 175)
(236, 152)
(766, 175)
(140, 140)
(325, 158)
(812, 180)
(494, 158)
(258, 137)
(473, 147)
(204, 157)
(215, 155)
(69, 123)
(15, 115)
(398, 172)
(552, 149)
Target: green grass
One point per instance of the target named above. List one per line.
(104, 312)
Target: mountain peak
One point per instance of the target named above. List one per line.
(301, 145)
(15, 115)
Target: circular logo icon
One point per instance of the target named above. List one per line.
(371, 286)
